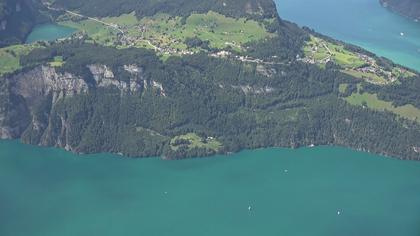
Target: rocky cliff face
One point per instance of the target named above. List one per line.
(24, 93)
(408, 8)
(43, 81)
(104, 77)
(29, 100)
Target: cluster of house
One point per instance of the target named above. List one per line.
(128, 40)
(370, 66)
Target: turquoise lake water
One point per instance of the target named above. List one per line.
(361, 22)
(50, 192)
(48, 32)
(322, 191)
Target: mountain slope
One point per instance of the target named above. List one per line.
(183, 83)
(233, 8)
(409, 8)
(17, 17)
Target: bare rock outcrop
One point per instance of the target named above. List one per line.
(45, 80)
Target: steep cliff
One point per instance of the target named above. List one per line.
(32, 102)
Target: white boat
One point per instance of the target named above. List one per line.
(402, 34)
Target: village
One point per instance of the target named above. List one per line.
(320, 52)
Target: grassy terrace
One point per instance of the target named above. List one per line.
(319, 51)
(368, 76)
(9, 57)
(373, 102)
(57, 61)
(192, 140)
(167, 33)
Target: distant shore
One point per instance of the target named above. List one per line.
(406, 8)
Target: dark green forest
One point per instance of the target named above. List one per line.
(235, 8)
(204, 96)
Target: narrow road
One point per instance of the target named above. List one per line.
(113, 26)
(97, 20)
(82, 16)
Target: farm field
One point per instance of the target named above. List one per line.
(168, 34)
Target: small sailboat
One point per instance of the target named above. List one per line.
(249, 208)
(338, 212)
(402, 34)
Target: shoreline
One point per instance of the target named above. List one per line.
(225, 154)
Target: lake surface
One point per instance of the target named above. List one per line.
(50, 192)
(49, 32)
(362, 22)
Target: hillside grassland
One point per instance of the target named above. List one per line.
(9, 57)
(366, 76)
(319, 51)
(57, 61)
(402, 73)
(373, 102)
(222, 31)
(169, 32)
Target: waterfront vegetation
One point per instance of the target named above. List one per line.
(192, 140)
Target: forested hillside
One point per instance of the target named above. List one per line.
(234, 8)
(409, 8)
(202, 78)
(17, 17)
